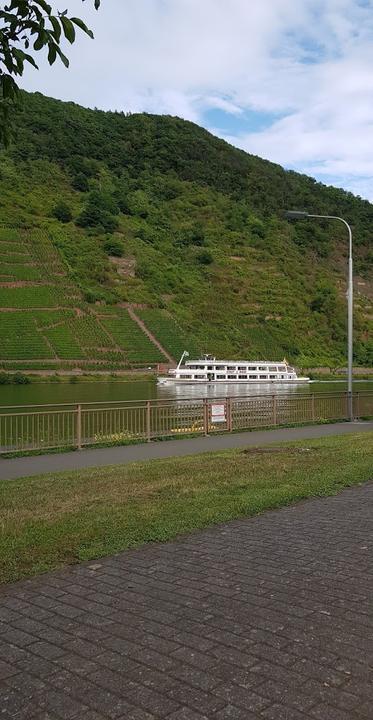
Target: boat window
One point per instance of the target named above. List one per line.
(187, 377)
(242, 367)
(232, 377)
(263, 367)
(272, 377)
(253, 377)
(220, 377)
(243, 377)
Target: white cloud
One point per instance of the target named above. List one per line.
(309, 61)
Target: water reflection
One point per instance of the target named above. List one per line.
(214, 390)
(102, 392)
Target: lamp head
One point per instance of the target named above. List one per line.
(296, 215)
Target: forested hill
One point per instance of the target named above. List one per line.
(106, 215)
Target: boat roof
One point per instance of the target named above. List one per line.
(237, 362)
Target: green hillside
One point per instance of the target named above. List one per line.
(115, 224)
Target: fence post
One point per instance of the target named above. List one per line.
(79, 427)
(357, 411)
(313, 406)
(205, 416)
(148, 428)
(229, 414)
(274, 417)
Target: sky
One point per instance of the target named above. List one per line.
(288, 80)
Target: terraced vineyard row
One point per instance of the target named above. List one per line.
(128, 334)
(45, 322)
(168, 332)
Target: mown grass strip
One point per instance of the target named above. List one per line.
(52, 520)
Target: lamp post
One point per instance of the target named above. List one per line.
(299, 215)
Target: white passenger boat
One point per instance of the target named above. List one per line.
(210, 370)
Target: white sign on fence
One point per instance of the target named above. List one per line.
(218, 413)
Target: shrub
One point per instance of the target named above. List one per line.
(138, 203)
(80, 182)
(114, 247)
(20, 379)
(62, 212)
(191, 236)
(99, 212)
(17, 378)
(257, 228)
(95, 217)
(205, 258)
(325, 299)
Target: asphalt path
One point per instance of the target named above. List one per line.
(13, 468)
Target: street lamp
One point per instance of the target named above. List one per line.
(299, 215)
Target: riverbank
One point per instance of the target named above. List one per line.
(74, 377)
(53, 520)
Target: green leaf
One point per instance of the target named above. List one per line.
(41, 40)
(9, 87)
(80, 24)
(68, 29)
(47, 8)
(52, 53)
(62, 56)
(31, 60)
(56, 27)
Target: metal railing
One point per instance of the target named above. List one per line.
(47, 427)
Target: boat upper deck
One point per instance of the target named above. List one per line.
(238, 365)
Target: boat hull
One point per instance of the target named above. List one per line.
(181, 381)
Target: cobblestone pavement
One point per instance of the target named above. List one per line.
(268, 618)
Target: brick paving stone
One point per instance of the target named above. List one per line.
(242, 697)
(327, 712)
(335, 696)
(186, 714)
(47, 650)
(299, 698)
(268, 618)
(137, 714)
(283, 712)
(196, 678)
(234, 713)
(197, 699)
(6, 670)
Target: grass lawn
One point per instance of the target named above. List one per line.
(52, 520)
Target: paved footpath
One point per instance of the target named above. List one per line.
(268, 618)
(24, 466)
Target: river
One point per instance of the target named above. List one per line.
(94, 392)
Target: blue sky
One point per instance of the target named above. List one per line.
(289, 80)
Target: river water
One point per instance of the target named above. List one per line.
(95, 392)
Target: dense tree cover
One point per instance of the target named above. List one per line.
(80, 140)
(201, 225)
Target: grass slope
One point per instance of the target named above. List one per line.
(53, 520)
(183, 226)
